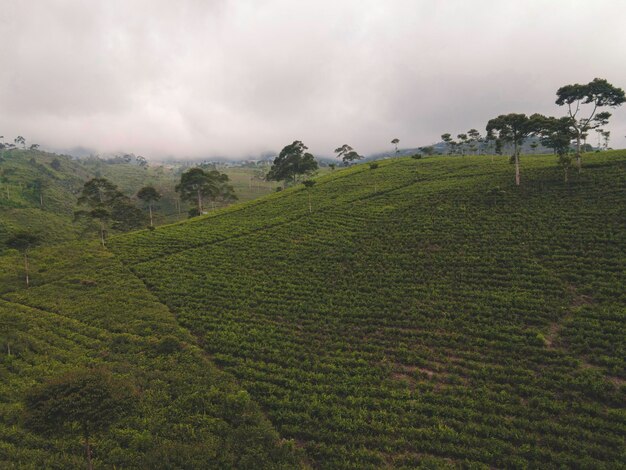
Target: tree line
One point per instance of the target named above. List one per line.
(565, 135)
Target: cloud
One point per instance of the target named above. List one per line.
(235, 78)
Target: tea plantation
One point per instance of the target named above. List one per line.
(86, 310)
(426, 313)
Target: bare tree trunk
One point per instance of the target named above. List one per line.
(88, 453)
(150, 209)
(578, 160)
(310, 207)
(199, 202)
(41, 200)
(517, 173)
(102, 234)
(26, 269)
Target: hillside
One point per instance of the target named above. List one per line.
(426, 313)
(38, 193)
(87, 310)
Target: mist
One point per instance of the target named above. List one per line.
(195, 79)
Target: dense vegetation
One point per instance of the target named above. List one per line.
(427, 312)
(39, 193)
(84, 310)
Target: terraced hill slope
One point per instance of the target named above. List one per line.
(86, 310)
(427, 312)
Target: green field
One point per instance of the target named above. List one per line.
(86, 309)
(426, 313)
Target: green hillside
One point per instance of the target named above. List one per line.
(87, 310)
(38, 194)
(426, 313)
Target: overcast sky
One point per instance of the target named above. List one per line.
(202, 78)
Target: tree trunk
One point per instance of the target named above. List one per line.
(566, 170)
(150, 209)
(102, 234)
(199, 202)
(26, 269)
(88, 453)
(578, 161)
(310, 208)
(517, 175)
(41, 200)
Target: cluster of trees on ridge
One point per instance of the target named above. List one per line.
(557, 133)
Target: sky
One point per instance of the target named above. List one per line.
(209, 78)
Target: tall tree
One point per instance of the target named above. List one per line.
(108, 205)
(194, 184)
(197, 184)
(462, 142)
(23, 242)
(85, 401)
(474, 139)
(447, 139)
(395, 142)
(292, 162)
(149, 195)
(588, 97)
(38, 187)
(308, 184)
(19, 140)
(347, 154)
(512, 128)
(606, 135)
(557, 134)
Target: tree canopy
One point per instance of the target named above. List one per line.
(85, 401)
(149, 195)
(108, 205)
(596, 94)
(347, 154)
(292, 162)
(197, 184)
(513, 128)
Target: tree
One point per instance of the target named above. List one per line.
(142, 162)
(533, 145)
(427, 150)
(462, 142)
(347, 154)
(108, 205)
(149, 195)
(23, 242)
(38, 186)
(512, 128)
(308, 184)
(19, 140)
(557, 134)
(196, 184)
(597, 94)
(85, 401)
(33, 147)
(447, 139)
(606, 135)
(395, 142)
(293, 161)
(474, 139)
